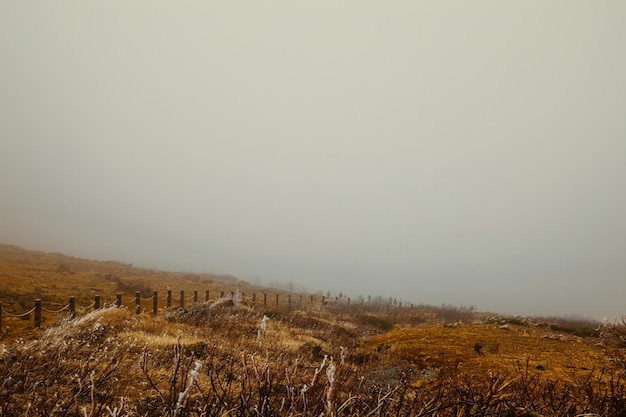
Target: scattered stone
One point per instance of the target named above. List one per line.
(486, 348)
(64, 269)
(561, 337)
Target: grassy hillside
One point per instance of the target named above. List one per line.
(233, 356)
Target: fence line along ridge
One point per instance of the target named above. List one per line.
(71, 306)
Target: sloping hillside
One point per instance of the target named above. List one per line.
(243, 355)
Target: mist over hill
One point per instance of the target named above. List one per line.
(440, 153)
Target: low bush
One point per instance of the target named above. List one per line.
(114, 363)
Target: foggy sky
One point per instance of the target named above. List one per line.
(439, 152)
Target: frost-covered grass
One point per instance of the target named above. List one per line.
(236, 357)
(228, 357)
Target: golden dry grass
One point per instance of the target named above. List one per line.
(399, 361)
(29, 275)
(549, 353)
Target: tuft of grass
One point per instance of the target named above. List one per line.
(381, 323)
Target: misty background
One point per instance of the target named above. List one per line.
(439, 152)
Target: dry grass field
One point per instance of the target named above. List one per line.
(235, 356)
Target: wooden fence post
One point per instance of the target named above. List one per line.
(72, 306)
(169, 298)
(182, 298)
(289, 299)
(264, 299)
(195, 296)
(96, 303)
(221, 294)
(37, 313)
(155, 301)
(300, 299)
(253, 298)
(118, 300)
(137, 302)
(311, 298)
(277, 296)
(206, 296)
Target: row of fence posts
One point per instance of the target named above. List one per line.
(71, 306)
